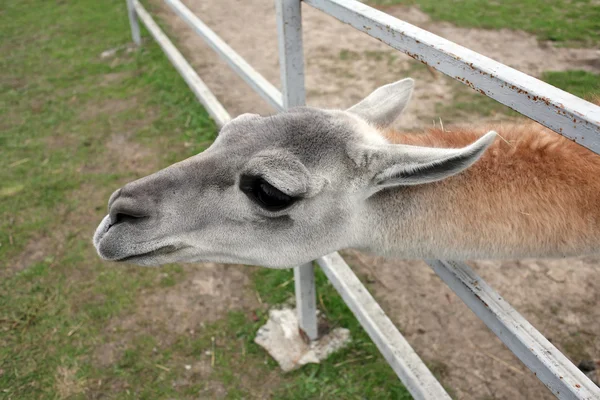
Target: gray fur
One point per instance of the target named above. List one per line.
(334, 161)
(382, 107)
(407, 165)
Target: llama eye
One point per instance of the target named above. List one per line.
(264, 194)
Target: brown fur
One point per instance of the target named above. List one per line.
(533, 193)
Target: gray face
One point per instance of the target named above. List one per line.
(255, 196)
(274, 191)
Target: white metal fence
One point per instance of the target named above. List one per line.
(562, 112)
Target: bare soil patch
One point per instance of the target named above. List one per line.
(207, 294)
(35, 251)
(123, 152)
(559, 297)
(518, 49)
(108, 107)
(115, 77)
(67, 383)
(131, 155)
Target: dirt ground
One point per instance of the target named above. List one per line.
(559, 297)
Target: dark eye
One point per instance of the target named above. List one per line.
(264, 194)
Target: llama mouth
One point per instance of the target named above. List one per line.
(156, 252)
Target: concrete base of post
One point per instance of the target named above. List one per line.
(282, 339)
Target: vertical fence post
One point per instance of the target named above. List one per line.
(133, 22)
(306, 299)
(291, 60)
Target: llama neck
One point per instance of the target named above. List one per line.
(536, 196)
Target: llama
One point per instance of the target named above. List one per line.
(282, 190)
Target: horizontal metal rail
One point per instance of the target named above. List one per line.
(263, 87)
(202, 92)
(550, 366)
(417, 378)
(560, 111)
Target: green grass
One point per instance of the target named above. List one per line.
(568, 22)
(468, 103)
(580, 83)
(61, 104)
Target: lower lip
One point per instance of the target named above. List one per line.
(157, 252)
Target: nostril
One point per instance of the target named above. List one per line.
(114, 197)
(123, 211)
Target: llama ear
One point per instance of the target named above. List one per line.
(382, 107)
(402, 165)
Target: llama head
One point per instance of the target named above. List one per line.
(275, 191)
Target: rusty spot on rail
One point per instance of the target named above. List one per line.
(480, 299)
(577, 385)
(416, 57)
(542, 98)
(303, 335)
